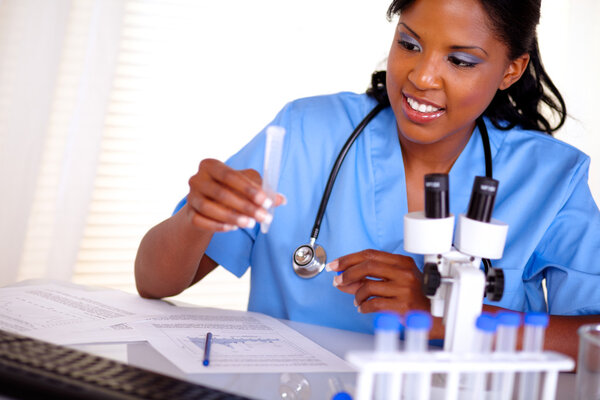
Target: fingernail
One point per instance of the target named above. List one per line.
(229, 228)
(268, 219)
(267, 203)
(283, 199)
(246, 222)
(355, 303)
(260, 215)
(332, 266)
(359, 309)
(337, 280)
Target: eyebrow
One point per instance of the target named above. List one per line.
(415, 34)
(469, 48)
(410, 30)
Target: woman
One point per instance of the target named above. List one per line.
(451, 62)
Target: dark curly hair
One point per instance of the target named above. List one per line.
(525, 103)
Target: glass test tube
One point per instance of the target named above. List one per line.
(533, 342)
(272, 163)
(484, 340)
(506, 342)
(337, 390)
(418, 325)
(387, 328)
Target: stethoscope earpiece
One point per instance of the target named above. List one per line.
(309, 260)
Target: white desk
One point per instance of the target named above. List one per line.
(267, 386)
(259, 386)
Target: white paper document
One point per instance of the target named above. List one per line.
(67, 314)
(242, 342)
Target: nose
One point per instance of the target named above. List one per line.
(425, 74)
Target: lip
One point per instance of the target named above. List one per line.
(417, 116)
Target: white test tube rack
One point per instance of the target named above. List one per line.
(451, 366)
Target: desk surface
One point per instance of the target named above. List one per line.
(259, 386)
(274, 386)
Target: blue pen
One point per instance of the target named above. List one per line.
(207, 343)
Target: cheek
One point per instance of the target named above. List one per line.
(471, 94)
(395, 77)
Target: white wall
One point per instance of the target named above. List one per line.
(569, 33)
(269, 52)
(251, 58)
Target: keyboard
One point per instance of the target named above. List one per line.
(34, 369)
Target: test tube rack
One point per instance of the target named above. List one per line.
(449, 369)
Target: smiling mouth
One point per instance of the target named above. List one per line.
(420, 107)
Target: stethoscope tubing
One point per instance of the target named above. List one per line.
(315, 266)
(336, 168)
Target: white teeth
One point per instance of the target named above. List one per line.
(424, 108)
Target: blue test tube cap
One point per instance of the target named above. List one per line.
(418, 320)
(486, 322)
(341, 396)
(537, 319)
(508, 318)
(387, 321)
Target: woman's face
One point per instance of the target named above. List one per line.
(444, 68)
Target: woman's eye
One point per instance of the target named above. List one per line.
(462, 62)
(408, 42)
(409, 46)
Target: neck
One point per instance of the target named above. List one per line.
(421, 159)
(436, 157)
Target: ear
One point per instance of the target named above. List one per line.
(514, 70)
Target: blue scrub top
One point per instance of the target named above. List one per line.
(554, 224)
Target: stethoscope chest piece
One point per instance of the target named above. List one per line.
(309, 260)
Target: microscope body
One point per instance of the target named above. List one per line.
(452, 277)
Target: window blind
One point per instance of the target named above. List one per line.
(139, 177)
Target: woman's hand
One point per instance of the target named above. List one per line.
(223, 199)
(380, 281)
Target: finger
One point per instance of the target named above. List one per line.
(233, 206)
(347, 261)
(280, 200)
(403, 300)
(350, 289)
(376, 270)
(210, 210)
(239, 181)
(253, 175)
(401, 294)
(378, 288)
(208, 224)
(379, 304)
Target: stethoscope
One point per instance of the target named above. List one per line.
(309, 259)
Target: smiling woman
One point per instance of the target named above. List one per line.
(466, 84)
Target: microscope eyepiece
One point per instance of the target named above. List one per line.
(482, 200)
(437, 202)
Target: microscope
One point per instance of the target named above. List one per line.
(452, 277)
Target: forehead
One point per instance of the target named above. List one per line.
(462, 21)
